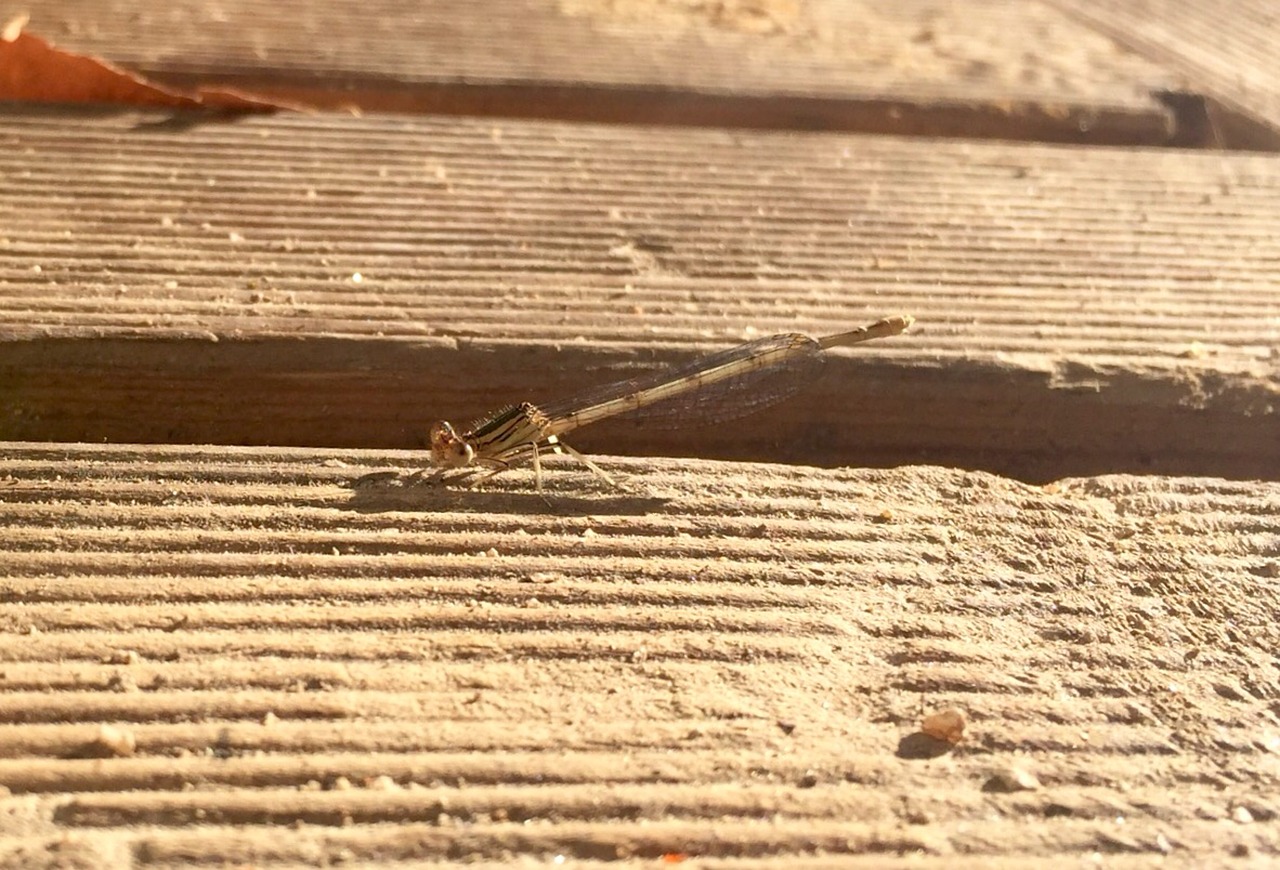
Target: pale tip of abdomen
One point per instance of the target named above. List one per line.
(880, 329)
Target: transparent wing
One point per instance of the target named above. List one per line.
(736, 396)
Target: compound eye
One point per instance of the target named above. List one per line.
(442, 434)
(447, 449)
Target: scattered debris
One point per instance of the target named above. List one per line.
(1194, 350)
(111, 742)
(122, 683)
(1011, 780)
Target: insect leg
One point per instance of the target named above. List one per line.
(494, 466)
(595, 469)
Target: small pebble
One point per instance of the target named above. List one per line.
(113, 741)
(947, 725)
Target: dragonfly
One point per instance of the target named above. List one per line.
(522, 432)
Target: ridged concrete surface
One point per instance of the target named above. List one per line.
(720, 661)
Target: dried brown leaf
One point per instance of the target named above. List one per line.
(34, 70)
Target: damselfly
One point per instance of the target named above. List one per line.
(520, 432)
